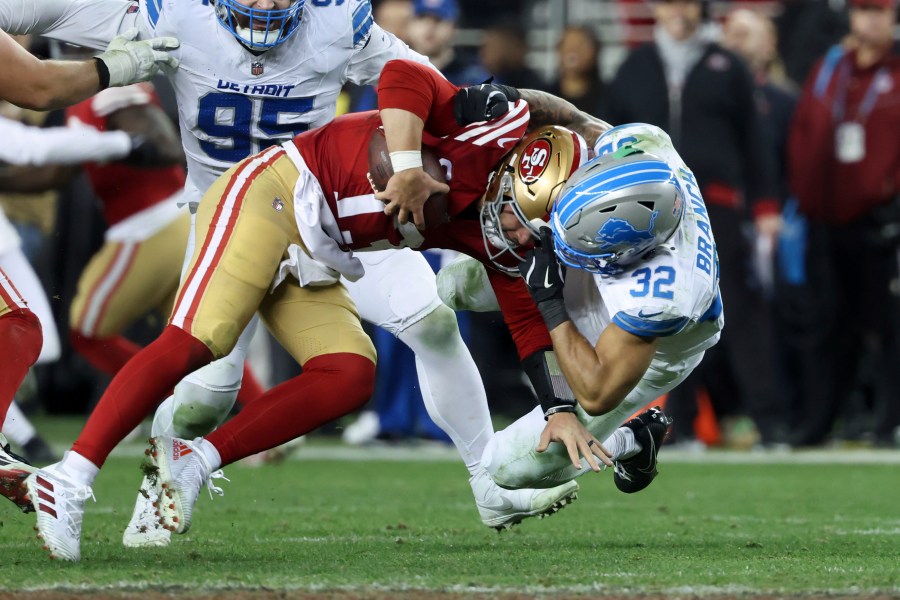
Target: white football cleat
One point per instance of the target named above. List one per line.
(59, 503)
(181, 470)
(13, 471)
(144, 530)
(502, 509)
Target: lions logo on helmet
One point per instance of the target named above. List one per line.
(616, 210)
(528, 181)
(256, 28)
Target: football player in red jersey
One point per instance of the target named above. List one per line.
(296, 209)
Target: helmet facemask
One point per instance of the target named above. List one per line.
(263, 29)
(528, 181)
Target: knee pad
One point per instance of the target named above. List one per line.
(198, 410)
(434, 331)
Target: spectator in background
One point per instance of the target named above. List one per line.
(504, 48)
(844, 154)
(431, 33)
(806, 29)
(703, 95)
(578, 56)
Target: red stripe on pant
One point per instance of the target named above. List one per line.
(10, 295)
(223, 242)
(331, 386)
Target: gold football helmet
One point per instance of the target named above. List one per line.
(528, 182)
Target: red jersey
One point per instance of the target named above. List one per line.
(836, 93)
(337, 155)
(122, 189)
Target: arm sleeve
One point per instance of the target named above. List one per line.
(419, 89)
(24, 145)
(520, 313)
(379, 48)
(90, 23)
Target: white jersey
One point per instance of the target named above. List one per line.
(231, 102)
(674, 294)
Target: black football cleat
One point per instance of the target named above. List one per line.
(635, 473)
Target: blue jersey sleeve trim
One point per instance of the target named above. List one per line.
(362, 23)
(646, 328)
(153, 7)
(714, 311)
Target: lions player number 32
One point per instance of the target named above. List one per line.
(240, 125)
(664, 278)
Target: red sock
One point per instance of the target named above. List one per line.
(105, 354)
(251, 389)
(21, 339)
(138, 388)
(331, 386)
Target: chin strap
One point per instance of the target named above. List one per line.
(549, 383)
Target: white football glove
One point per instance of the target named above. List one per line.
(129, 61)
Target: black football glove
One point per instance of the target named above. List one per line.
(545, 278)
(144, 153)
(483, 102)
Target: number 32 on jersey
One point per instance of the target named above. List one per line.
(239, 125)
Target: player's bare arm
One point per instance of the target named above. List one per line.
(547, 109)
(43, 85)
(409, 187)
(602, 375)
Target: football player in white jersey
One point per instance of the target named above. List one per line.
(254, 72)
(630, 317)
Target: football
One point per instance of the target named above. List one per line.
(380, 171)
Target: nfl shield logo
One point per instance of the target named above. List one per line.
(256, 68)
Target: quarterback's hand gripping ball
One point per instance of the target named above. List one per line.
(411, 183)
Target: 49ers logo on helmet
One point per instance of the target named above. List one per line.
(534, 160)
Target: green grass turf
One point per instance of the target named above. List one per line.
(401, 525)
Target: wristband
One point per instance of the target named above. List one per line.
(406, 159)
(554, 312)
(549, 383)
(102, 73)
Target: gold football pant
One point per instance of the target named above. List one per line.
(245, 225)
(125, 280)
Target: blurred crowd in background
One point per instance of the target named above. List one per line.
(788, 114)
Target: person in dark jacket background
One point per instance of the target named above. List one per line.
(704, 96)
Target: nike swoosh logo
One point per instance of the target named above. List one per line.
(547, 278)
(502, 141)
(500, 505)
(643, 316)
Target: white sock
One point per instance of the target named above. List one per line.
(77, 468)
(17, 427)
(209, 452)
(621, 444)
(451, 385)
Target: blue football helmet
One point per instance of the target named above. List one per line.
(615, 210)
(256, 28)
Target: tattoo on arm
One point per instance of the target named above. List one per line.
(547, 109)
